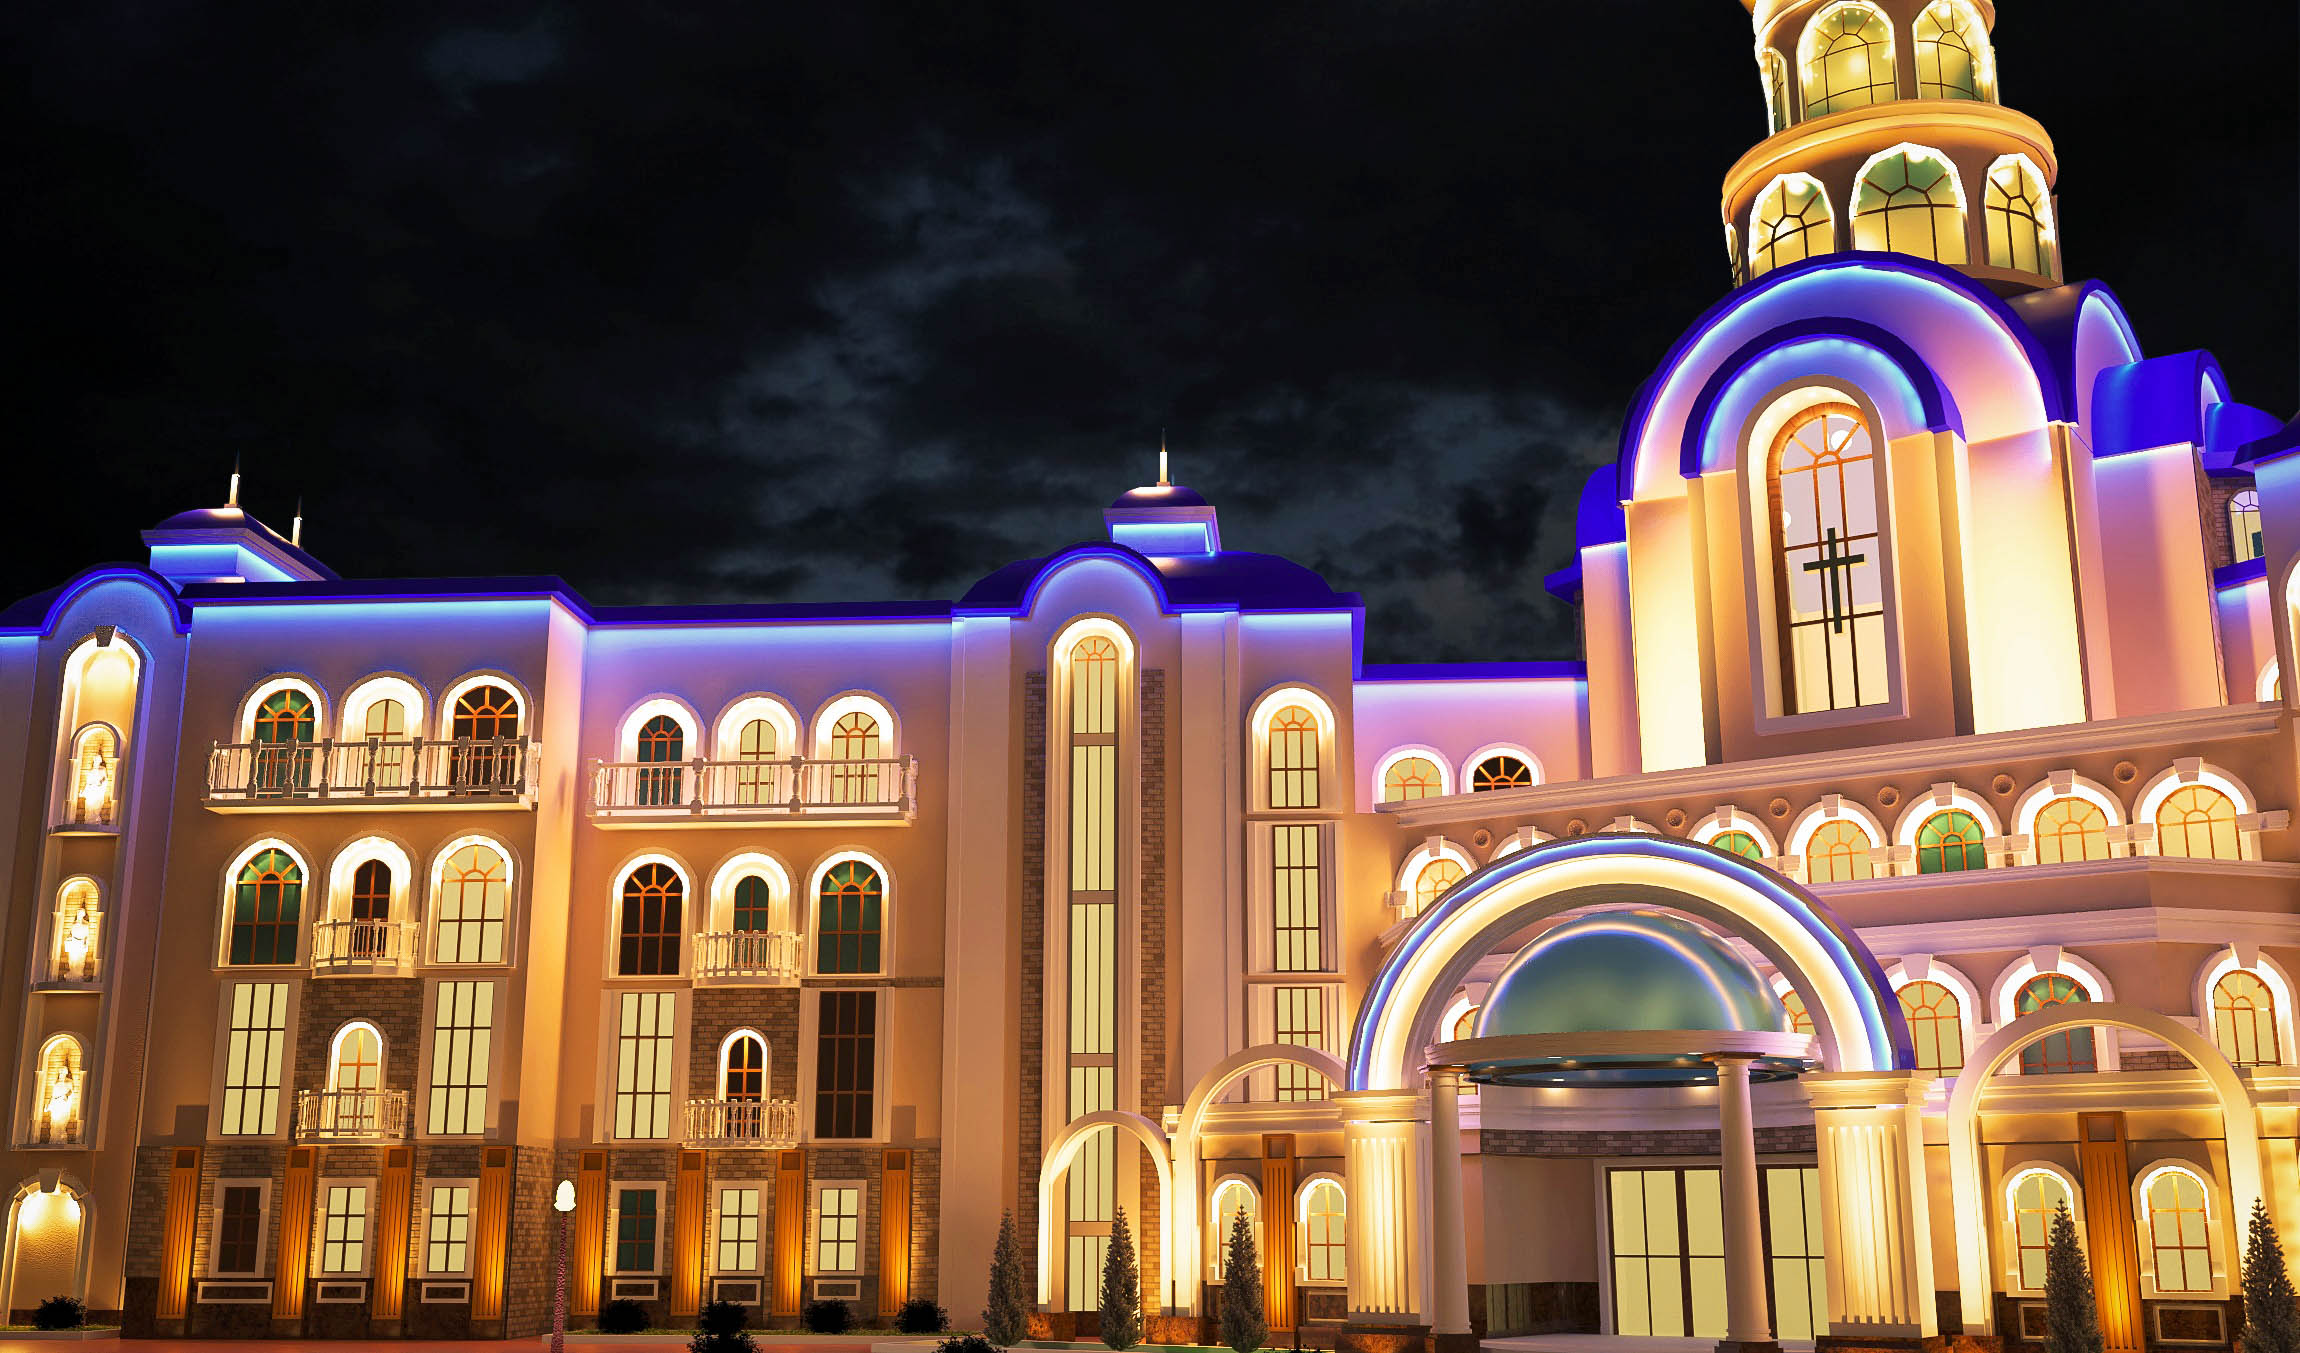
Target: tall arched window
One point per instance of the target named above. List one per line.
(283, 730)
(1293, 758)
(2178, 1226)
(2070, 1050)
(2036, 1196)
(1837, 852)
(1847, 55)
(1774, 68)
(653, 898)
(2244, 542)
(847, 926)
(1952, 52)
(473, 904)
(354, 1075)
(1792, 221)
(1410, 778)
(2198, 821)
(1500, 772)
(662, 744)
(2017, 214)
(1232, 1198)
(370, 910)
(2244, 1019)
(854, 745)
(1325, 1234)
(267, 905)
(1936, 1027)
(1909, 202)
(2071, 829)
(1738, 843)
(755, 750)
(484, 714)
(754, 908)
(385, 729)
(1828, 587)
(1436, 876)
(1950, 843)
(743, 1069)
(1793, 1006)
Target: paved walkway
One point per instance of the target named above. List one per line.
(1616, 1343)
(116, 1345)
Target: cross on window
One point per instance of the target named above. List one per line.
(1835, 567)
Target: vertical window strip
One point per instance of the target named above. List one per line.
(462, 1043)
(645, 1033)
(1300, 1021)
(1297, 898)
(474, 891)
(447, 1230)
(846, 1063)
(254, 1049)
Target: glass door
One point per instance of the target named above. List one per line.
(1668, 1236)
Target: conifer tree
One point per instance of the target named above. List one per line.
(2072, 1322)
(2271, 1311)
(1005, 1321)
(1244, 1323)
(1121, 1287)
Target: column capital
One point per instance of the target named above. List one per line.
(1383, 1106)
(1866, 1089)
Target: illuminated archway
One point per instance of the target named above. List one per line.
(1064, 1149)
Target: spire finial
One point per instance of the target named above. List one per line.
(295, 528)
(232, 498)
(1163, 481)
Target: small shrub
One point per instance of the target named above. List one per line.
(828, 1317)
(966, 1343)
(622, 1316)
(1004, 1321)
(60, 1313)
(920, 1315)
(2271, 1311)
(720, 1330)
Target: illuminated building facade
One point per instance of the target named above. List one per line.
(1908, 855)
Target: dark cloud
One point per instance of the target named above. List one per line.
(861, 300)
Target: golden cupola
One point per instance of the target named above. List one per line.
(1885, 133)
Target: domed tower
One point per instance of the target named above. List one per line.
(1887, 134)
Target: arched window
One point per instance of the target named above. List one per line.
(473, 904)
(754, 908)
(1908, 202)
(1793, 1005)
(352, 1105)
(847, 926)
(1936, 1027)
(282, 732)
(485, 727)
(2178, 1226)
(1232, 1197)
(2017, 214)
(2244, 526)
(1774, 69)
(385, 729)
(755, 749)
(370, 910)
(1738, 843)
(1952, 52)
(1325, 1237)
(1410, 778)
(1951, 842)
(662, 744)
(2071, 829)
(267, 905)
(1293, 739)
(2035, 1195)
(2198, 821)
(2244, 1019)
(653, 897)
(1828, 589)
(1792, 221)
(1847, 55)
(57, 1110)
(2070, 1050)
(1436, 876)
(1838, 852)
(743, 1068)
(854, 745)
(1500, 772)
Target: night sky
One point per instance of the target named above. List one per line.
(856, 301)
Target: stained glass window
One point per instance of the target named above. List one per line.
(1792, 221)
(2070, 1050)
(1828, 583)
(1908, 202)
(847, 928)
(267, 904)
(1950, 843)
(1738, 843)
(1847, 55)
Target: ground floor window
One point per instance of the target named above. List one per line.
(1667, 1230)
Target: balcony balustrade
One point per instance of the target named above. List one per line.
(744, 793)
(377, 772)
(753, 1124)
(358, 946)
(351, 1115)
(763, 957)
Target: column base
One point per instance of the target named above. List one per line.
(1748, 1346)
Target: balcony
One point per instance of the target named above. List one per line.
(351, 1115)
(341, 948)
(817, 793)
(756, 957)
(270, 777)
(751, 1124)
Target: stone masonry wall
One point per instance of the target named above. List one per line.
(1032, 1108)
(1153, 964)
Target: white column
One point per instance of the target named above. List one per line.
(1745, 1315)
(1449, 1245)
(1386, 1155)
(1876, 1221)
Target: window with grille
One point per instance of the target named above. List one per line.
(847, 926)
(1837, 852)
(1828, 583)
(854, 745)
(662, 742)
(1847, 55)
(2178, 1231)
(754, 904)
(283, 731)
(267, 907)
(1791, 222)
(2244, 1019)
(1775, 71)
(1300, 1020)
(462, 1045)
(385, 727)
(2016, 212)
(1233, 1198)
(2036, 1196)
(1500, 772)
(354, 1074)
(1297, 898)
(1293, 739)
(2070, 829)
(1793, 1008)
(1325, 1233)
(343, 1230)
(755, 750)
(447, 1231)
(1410, 778)
(1936, 1027)
(838, 1228)
(255, 1053)
(483, 714)
(474, 900)
(1738, 843)
(1909, 202)
(738, 1231)
(1950, 843)
(2198, 821)
(653, 895)
(1096, 706)
(239, 1229)
(635, 1218)
(646, 1034)
(1952, 52)
(745, 1076)
(2244, 539)
(846, 1063)
(1433, 880)
(371, 891)
(2070, 1050)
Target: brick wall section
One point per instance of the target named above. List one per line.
(148, 1211)
(1772, 1141)
(531, 1259)
(2153, 1059)
(393, 1005)
(926, 1227)
(719, 1011)
(1032, 1108)
(1153, 965)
